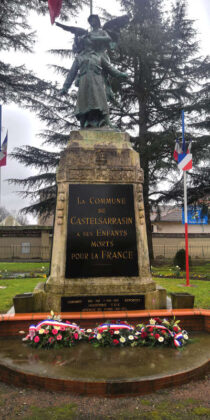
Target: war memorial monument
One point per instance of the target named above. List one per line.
(100, 256)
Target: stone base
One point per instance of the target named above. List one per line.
(47, 301)
(99, 165)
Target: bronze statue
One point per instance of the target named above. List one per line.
(91, 70)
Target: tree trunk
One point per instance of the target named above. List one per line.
(145, 166)
(147, 211)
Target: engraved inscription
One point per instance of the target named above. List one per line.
(102, 303)
(101, 237)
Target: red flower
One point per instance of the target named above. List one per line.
(54, 331)
(111, 332)
(116, 342)
(76, 336)
(150, 329)
(163, 331)
(90, 337)
(143, 334)
(157, 336)
(158, 320)
(51, 339)
(176, 329)
(151, 334)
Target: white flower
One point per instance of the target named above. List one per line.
(131, 337)
(160, 339)
(137, 333)
(117, 332)
(185, 336)
(22, 332)
(99, 336)
(152, 321)
(41, 331)
(122, 339)
(51, 313)
(165, 321)
(89, 330)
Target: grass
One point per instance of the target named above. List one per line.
(65, 412)
(22, 267)
(17, 286)
(195, 270)
(14, 287)
(200, 291)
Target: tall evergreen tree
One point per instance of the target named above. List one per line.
(159, 51)
(21, 86)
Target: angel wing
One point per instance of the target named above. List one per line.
(114, 26)
(73, 29)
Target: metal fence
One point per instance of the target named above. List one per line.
(24, 252)
(169, 251)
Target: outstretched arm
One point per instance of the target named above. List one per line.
(73, 29)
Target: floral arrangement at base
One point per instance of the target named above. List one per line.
(53, 333)
(112, 334)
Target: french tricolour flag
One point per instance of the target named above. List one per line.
(3, 152)
(184, 159)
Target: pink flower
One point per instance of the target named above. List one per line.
(59, 337)
(51, 339)
(46, 331)
(76, 336)
(54, 331)
(36, 339)
(62, 328)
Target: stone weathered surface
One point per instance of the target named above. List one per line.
(98, 157)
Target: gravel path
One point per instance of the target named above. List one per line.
(190, 401)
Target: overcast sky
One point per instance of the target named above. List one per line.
(23, 125)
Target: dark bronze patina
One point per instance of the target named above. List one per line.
(91, 70)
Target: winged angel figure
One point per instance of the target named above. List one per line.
(91, 69)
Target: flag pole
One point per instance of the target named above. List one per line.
(91, 7)
(185, 208)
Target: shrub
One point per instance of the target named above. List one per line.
(179, 259)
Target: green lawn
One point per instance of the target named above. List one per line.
(20, 267)
(200, 291)
(17, 286)
(202, 270)
(14, 287)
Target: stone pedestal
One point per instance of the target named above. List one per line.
(99, 221)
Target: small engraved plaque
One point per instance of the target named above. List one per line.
(102, 303)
